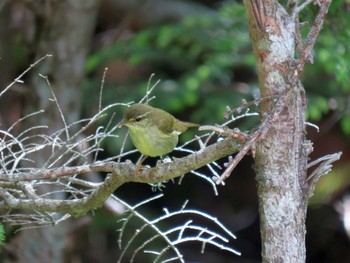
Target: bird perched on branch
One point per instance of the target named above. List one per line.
(153, 131)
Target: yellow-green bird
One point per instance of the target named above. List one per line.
(153, 131)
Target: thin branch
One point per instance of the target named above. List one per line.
(18, 79)
(101, 90)
(246, 104)
(149, 90)
(234, 134)
(57, 105)
(160, 173)
(262, 129)
(91, 121)
(182, 233)
(306, 54)
(23, 118)
(146, 224)
(301, 7)
(325, 166)
(119, 173)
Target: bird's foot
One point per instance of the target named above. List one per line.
(137, 169)
(139, 165)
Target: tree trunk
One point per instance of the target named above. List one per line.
(67, 27)
(65, 32)
(281, 156)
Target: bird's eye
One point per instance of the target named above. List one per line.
(137, 119)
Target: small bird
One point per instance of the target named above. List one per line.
(153, 131)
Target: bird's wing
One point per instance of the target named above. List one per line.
(165, 122)
(182, 126)
(168, 124)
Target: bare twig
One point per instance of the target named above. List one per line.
(306, 52)
(183, 233)
(235, 134)
(149, 90)
(147, 175)
(258, 134)
(101, 90)
(325, 166)
(245, 104)
(305, 4)
(243, 151)
(120, 173)
(18, 79)
(23, 118)
(57, 105)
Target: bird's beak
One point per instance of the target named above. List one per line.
(122, 123)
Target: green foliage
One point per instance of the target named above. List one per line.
(2, 235)
(327, 81)
(318, 106)
(204, 61)
(195, 59)
(345, 124)
(192, 57)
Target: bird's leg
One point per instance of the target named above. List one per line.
(165, 159)
(139, 165)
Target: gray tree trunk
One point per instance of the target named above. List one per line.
(281, 156)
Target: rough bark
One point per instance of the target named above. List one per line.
(281, 157)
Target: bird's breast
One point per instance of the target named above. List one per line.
(151, 141)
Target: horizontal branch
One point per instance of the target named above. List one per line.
(180, 166)
(164, 171)
(118, 174)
